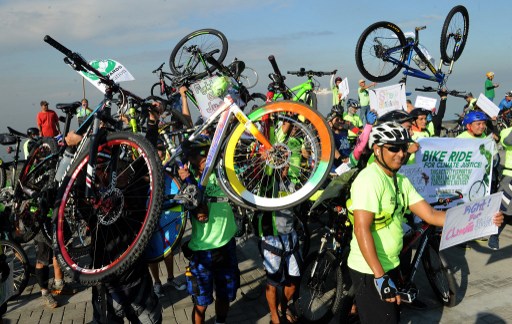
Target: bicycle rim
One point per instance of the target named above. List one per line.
(439, 276)
(3, 176)
(16, 256)
(373, 51)
(184, 61)
(320, 290)
(281, 177)
(454, 34)
(102, 237)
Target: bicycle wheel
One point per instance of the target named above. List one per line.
(16, 256)
(113, 228)
(477, 190)
(321, 288)
(378, 49)
(454, 34)
(171, 225)
(37, 175)
(156, 90)
(187, 56)
(249, 77)
(291, 171)
(439, 275)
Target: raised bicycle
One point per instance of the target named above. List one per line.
(383, 50)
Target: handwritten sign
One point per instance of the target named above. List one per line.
(470, 221)
(425, 103)
(487, 106)
(387, 99)
(343, 89)
(114, 70)
(207, 101)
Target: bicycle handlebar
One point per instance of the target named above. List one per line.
(302, 72)
(159, 68)
(454, 93)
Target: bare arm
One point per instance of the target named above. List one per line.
(363, 220)
(428, 213)
(184, 104)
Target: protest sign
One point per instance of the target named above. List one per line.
(389, 98)
(343, 89)
(487, 106)
(207, 101)
(425, 103)
(114, 70)
(470, 221)
(443, 166)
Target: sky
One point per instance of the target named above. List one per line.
(318, 35)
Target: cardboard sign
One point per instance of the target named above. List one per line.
(343, 89)
(387, 99)
(425, 103)
(487, 106)
(470, 221)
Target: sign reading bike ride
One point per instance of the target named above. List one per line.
(389, 98)
(470, 221)
(443, 166)
(114, 70)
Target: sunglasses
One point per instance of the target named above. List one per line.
(397, 148)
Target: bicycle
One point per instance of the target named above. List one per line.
(304, 92)
(20, 269)
(251, 162)
(108, 202)
(383, 50)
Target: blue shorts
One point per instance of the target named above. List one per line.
(219, 266)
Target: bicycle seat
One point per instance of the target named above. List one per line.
(16, 133)
(237, 67)
(68, 107)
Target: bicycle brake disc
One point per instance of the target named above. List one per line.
(190, 196)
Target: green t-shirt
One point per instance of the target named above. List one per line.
(374, 191)
(416, 135)
(489, 89)
(466, 134)
(221, 226)
(364, 97)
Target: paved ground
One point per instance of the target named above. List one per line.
(484, 296)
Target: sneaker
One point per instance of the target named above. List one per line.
(63, 289)
(49, 301)
(177, 284)
(159, 291)
(494, 242)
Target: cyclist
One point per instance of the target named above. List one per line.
(364, 98)
(471, 102)
(475, 122)
(33, 136)
(336, 95)
(340, 132)
(489, 86)
(379, 198)
(419, 124)
(352, 117)
(83, 111)
(506, 103)
(211, 250)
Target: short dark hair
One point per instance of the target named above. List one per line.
(43, 103)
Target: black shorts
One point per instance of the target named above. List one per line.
(44, 251)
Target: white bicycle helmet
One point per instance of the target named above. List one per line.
(389, 133)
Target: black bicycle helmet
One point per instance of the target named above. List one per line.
(399, 116)
(389, 133)
(353, 103)
(200, 146)
(32, 131)
(337, 79)
(416, 112)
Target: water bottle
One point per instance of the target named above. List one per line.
(64, 163)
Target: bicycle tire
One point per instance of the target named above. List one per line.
(320, 293)
(120, 219)
(3, 176)
(438, 274)
(156, 91)
(171, 226)
(249, 78)
(38, 179)
(449, 51)
(21, 266)
(247, 177)
(370, 58)
(205, 40)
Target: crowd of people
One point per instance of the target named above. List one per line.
(380, 197)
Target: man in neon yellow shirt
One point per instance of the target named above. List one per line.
(352, 117)
(379, 199)
(475, 122)
(212, 249)
(364, 98)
